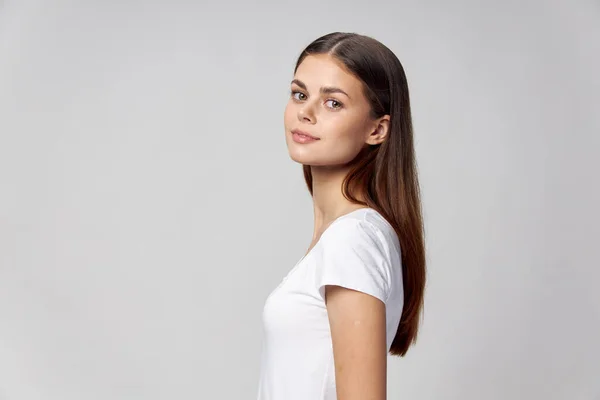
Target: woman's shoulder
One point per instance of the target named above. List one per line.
(360, 251)
(365, 225)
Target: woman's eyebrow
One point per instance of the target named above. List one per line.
(324, 90)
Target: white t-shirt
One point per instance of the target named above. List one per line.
(360, 251)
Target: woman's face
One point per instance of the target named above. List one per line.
(327, 103)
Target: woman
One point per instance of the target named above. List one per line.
(357, 293)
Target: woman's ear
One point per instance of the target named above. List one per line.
(380, 131)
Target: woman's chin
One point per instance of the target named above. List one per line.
(300, 159)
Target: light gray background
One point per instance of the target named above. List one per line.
(148, 204)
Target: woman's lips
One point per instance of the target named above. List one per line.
(302, 137)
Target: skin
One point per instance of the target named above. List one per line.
(343, 124)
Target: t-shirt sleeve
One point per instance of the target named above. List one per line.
(352, 256)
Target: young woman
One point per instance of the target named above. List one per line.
(357, 293)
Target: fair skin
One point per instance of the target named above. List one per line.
(328, 102)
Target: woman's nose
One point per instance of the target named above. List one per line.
(306, 114)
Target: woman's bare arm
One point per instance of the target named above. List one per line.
(357, 322)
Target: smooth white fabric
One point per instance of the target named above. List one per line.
(359, 251)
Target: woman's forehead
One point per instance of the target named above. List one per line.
(323, 70)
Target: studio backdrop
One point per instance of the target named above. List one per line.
(148, 204)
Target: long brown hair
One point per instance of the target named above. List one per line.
(386, 174)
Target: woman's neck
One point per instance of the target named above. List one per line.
(329, 202)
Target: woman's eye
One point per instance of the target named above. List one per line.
(334, 104)
(298, 95)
